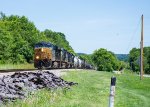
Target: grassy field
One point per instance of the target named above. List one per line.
(92, 91)
(15, 66)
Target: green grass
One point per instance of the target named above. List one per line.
(16, 66)
(132, 92)
(92, 91)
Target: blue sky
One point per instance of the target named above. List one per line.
(88, 24)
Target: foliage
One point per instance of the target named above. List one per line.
(18, 36)
(5, 46)
(105, 60)
(86, 57)
(134, 59)
(58, 39)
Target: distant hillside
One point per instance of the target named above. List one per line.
(122, 57)
(81, 54)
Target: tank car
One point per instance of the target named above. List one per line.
(76, 62)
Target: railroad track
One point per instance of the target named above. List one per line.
(57, 71)
(16, 70)
(21, 70)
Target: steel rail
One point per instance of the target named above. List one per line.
(15, 70)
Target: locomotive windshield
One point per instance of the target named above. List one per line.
(43, 44)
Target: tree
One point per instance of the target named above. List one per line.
(105, 60)
(86, 57)
(134, 59)
(18, 36)
(5, 46)
(59, 39)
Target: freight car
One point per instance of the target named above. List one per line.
(47, 55)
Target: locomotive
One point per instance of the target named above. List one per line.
(47, 55)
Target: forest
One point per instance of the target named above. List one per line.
(18, 35)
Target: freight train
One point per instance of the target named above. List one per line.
(47, 55)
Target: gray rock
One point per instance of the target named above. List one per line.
(18, 85)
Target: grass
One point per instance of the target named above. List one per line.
(132, 92)
(92, 91)
(16, 66)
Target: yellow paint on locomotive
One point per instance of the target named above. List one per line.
(42, 53)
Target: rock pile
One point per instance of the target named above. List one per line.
(19, 84)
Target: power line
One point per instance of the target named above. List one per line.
(133, 35)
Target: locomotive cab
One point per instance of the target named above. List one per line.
(42, 55)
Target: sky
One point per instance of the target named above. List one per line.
(88, 24)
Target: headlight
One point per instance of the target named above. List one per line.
(42, 50)
(37, 57)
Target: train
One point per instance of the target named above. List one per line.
(48, 55)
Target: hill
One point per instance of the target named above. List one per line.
(122, 57)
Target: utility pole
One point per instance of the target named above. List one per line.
(141, 53)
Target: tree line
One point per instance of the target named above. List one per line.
(18, 36)
(134, 60)
(105, 60)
